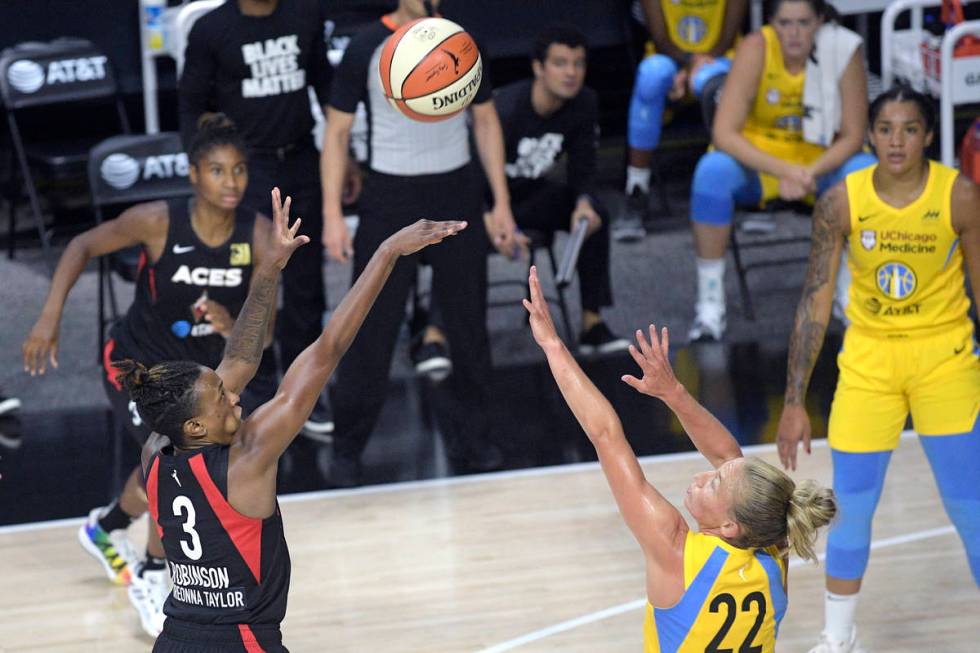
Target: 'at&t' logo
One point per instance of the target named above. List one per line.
(29, 76)
(896, 280)
(121, 171)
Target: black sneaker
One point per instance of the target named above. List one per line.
(599, 339)
(629, 228)
(319, 425)
(8, 404)
(431, 359)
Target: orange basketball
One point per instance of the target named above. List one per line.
(430, 69)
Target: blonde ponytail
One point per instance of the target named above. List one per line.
(772, 510)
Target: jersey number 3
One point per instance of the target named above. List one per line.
(181, 505)
(728, 601)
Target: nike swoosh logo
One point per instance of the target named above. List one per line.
(182, 249)
(862, 218)
(957, 351)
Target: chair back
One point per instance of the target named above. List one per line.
(54, 72)
(136, 168)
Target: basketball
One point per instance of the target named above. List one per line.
(430, 69)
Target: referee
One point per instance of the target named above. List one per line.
(416, 170)
(253, 60)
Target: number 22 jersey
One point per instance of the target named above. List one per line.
(733, 600)
(226, 568)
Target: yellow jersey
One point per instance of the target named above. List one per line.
(694, 25)
(906, 264)
(775, 120)
(733, 600)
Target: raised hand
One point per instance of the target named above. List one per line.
(423, 233)
(41, 346)
(654, 361)
(542, 326)
(794, 425)
(283, 240)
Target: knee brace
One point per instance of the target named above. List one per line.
(953, 459)
(654, 77)
(858, 479)
(718, 178)
(708, 72)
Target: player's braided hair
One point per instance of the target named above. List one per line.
(904, 93)
(164, 394)
(772, 510)
(214, 130)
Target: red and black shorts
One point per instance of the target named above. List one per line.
(123, 409)
(186, 637)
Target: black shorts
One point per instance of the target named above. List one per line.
(186, 637)
(123, 409)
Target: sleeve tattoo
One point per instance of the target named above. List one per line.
(810, 324)
(248, 336)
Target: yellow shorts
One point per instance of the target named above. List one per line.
(935, 376)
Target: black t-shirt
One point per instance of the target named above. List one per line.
(534, 143)
(164, 323)
(226, 568)
(256, 70)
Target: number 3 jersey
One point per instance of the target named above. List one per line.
(226, 568)
(733, 600)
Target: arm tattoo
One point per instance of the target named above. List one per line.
(248, 336)
(808, 331)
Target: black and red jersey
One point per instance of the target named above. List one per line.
(166, 320)
(226, 568)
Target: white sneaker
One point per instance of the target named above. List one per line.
(147, 593)
(112, 550)
(709, 322)
(825, 645)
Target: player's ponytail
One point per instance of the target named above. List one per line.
(810, 507)
(164, 394)
(214, 130)
(772, 510)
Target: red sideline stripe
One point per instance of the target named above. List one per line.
(245, 532)
(248, 639)
(111, 373)
(151, 494)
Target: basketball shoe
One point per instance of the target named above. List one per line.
(709, 322)
(852, 645)
(112, 550)
(148, 592)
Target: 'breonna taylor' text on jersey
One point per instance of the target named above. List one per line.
(226, 568)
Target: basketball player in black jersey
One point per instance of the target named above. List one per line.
(211, 477)
(195, 267)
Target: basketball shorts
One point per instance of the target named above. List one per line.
(936, 377)
(184, 637)
(123, 408)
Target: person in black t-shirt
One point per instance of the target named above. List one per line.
(195, 269)
(551, 116)
(211, 476)
(255, 60)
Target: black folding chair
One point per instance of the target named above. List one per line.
(35, 75)
(126, 170)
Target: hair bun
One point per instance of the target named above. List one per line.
(132, 374)
(214, 120)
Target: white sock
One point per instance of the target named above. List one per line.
(711, 280)
(839, 615)
(637, 178)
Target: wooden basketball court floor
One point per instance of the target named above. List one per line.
(535, 560)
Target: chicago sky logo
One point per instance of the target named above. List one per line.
(896, 280)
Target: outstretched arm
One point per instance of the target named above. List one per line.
(655, 523)
(144, 224)
(712, 439)
(243, 350)
(830, 225)
(273, 426)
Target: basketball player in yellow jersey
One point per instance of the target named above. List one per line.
(759, 152)
(692, 40)
(913, 227)
(722, 587)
